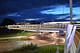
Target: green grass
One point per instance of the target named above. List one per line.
(42, 49)
(21, 39)
(50, 49)
(17, 34)
(24, 33)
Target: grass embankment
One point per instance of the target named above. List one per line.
(28, 33)
(35, 49)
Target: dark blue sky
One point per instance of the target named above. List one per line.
(7, 6)
(39, 10)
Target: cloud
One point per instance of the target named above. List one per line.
(61, 9)
(77, 17)
(13, 14)
(32, 19)
(62, 17)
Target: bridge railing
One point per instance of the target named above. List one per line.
(37, 26)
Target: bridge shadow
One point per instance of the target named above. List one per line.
(45, 37)
(59, 41)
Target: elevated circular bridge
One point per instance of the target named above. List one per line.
(39, 27)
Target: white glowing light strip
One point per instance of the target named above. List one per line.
(69, 29)
(68, 33)
(71, 37)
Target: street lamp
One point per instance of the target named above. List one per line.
(70, 11)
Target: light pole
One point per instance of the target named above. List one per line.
(70, 11)
(70, 2)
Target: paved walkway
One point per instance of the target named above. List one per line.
(12, 38)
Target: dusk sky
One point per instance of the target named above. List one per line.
(37, 10)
